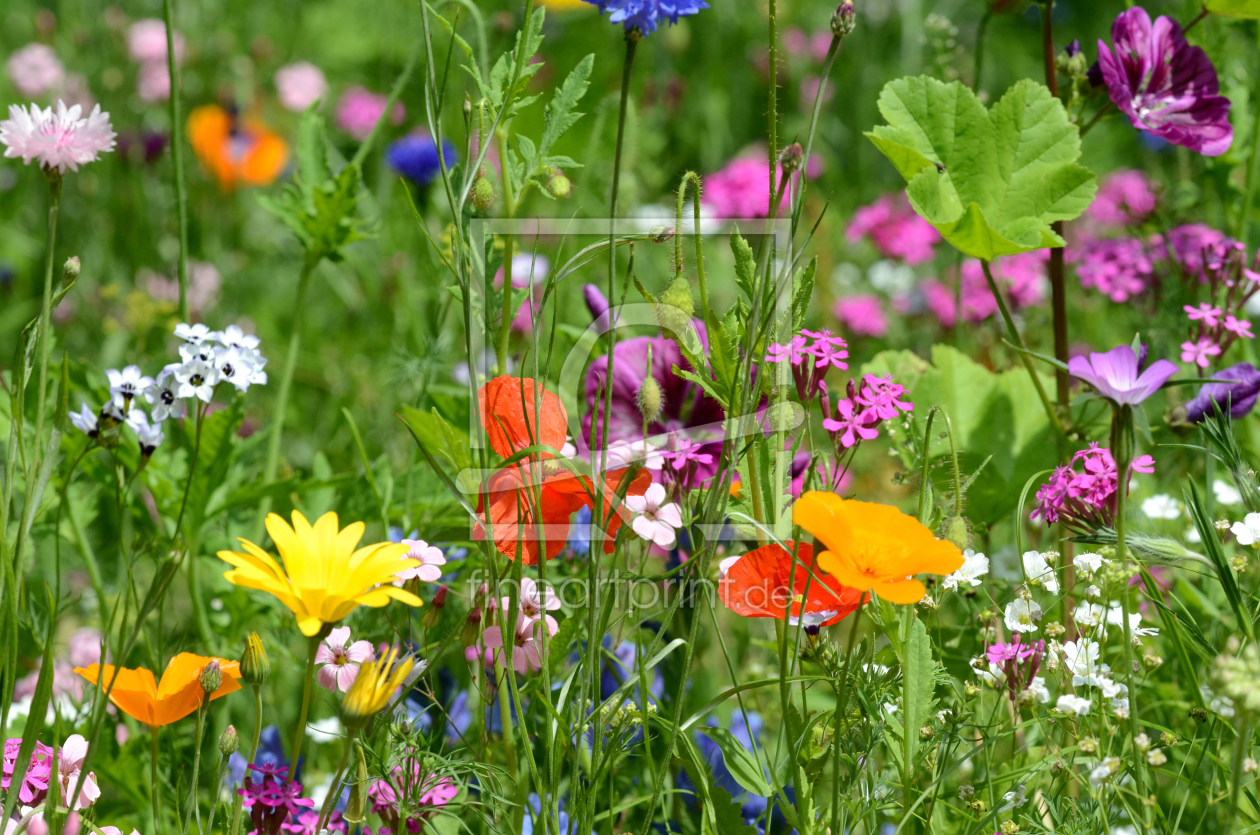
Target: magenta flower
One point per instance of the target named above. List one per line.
(1118, 268)
(1238, 398)
(793, 351)
(1125, 197)
(1195, 245)
(882, 396)
(1085, 500)
(359, 109)
(1018, 661)
(895, 229)
(1114, 375)
(1199, 352)
(340, 660)
(427, 794)
(741, 189)
(1238, 327)
(827, 349)
(1163, 84)
(862, 314)
(850, 424)
(1205, 313)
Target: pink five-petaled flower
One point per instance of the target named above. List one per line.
(850, 424)
(1200, 351)
(827, 349)
(535, 601)
(656, 519)
(1210, 316)
(525, 648)
(1114, 375)
(58, 138)
(430, 557)
(883, 396)
(1165, 85)
(793, 352)
(341, 662)
(70, 766)
(1238, 327)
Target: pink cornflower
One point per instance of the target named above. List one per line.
(862, 314)
(35, 70)
(1206, 313)
(1125, 197)
(1199, 352)
(882, 396)
(430, 557)
(850, 424)
(58, 139)
(359, 109)
(146, 42)
(895, 230)
(340, 660)
(1238, 327)
(300, 85)
(793, 351)
(525, 651)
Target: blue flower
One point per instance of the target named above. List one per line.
(416, 158)
(564, 823)
(645, 15)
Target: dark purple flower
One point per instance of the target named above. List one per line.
(1114, 375)
(1239, 397)
(1165, 85)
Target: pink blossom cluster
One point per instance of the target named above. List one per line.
(426, 793)
(811, 354)
(39, 772)
(1018, 661)
(35, 70)
(1216, 324)
(273, 801)
(534, 603)
(895, 230)
(741, 189)
(1085, 499)
(1125, 198)
(1023, 277)
(862, 314)
(857, 417)
(1119, 268)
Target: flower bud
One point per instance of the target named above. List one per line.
(675, 307)
(791, 157)
(255, 666)
(843, 19)
(482, 194)
(229, 741)
(434, 612)
(560, 185)
(72, 268)
(955, 530)
(650, 400)
(356, 806)
(211, 676)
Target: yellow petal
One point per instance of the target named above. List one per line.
(310, 626)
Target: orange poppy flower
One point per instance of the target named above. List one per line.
(177, 695)
(756, 585)
(237, 152)
(874, 547)
(511, 424)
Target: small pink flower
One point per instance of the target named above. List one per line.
(59, 139)
(535, 601)
(1198, 352)
(300, 85)
(359, 109)
(35, 70)
(1239, 327)
(525, 650)
(657, 519)
(70, 765)
(1125, 197)
(895, 230)
(340, 662)
(430, 557)
(850, 425)
(862, 314)
(85, 647)
(146, 42)
(1210, 316)
(1143, 464)
(827, 349)
(793, 352)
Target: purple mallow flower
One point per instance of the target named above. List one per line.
(1238, 397)
(1163, 84)
(1114, 375)
(646, 15)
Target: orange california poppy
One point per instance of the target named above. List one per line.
(177, 695)
(236, 151)
(757, 586)
(874, 547)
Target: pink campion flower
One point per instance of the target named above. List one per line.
(1114, 375)
(341, 660)
(1143, 464)
(69, 766)
(430, 792)
(882, 396)
(525, 651)
(1238, 327)
(827, 349)
(1119, 268)
(1200, 352)
(1205, 313)
(895, 230)
(850, 424)
(59, 139)
(793, 351)
(1085, 500)
(146, 42)
(1124, 198)
(35, 70)
(1189, 243)
(1018, 661)
(299, 85)
(359, 109)
(1163, 84)
(862, 314)
(1052, 496)
(38, 771)
(741, 189)
(656, 519)
(1025, 277)
(430, 557)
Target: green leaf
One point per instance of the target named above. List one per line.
(739, 760)
(917, 685)
(447, 441)
(703, 383)
(1234, 8)
(724, 360)
(214, 457)
(745, 265)
(802, 292)
(992, 181)
(312, 153)
(728, 815)
(560, 115)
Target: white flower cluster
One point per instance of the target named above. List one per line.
(207, 359)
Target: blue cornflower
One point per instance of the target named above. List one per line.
(416, 157)
(645, 15)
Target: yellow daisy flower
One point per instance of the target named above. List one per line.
(324, 578)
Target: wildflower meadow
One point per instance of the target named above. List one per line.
(620, 417)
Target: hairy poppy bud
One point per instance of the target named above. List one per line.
(957, 531)
(843, 19)
(211, 676)
(482, 194)
(650, 400)
(229, 741)
(255, 666)
(791, 157)
(560, 185)
(675, 307)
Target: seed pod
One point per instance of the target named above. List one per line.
(434, 613)
(791, 157)
(955, 530)
(560, 185)
(72, 268)
(675, 307)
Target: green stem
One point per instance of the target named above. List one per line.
(1241, 744)
(45, 312)
(842, 704)
(253, 752)
(177, 156)
(980, 33)
(1249, 193)
(154, 793)
(333, 790)
(300, 732)
(194, 806)
(219, 772)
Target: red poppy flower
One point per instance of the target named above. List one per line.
(531, 502)
(757, 586)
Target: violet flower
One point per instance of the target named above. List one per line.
(1114, 375)
(1163, 84)
(1238, 397)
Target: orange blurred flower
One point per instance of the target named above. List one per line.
(530, 501)
(756, 585)
(177, 695)
(874, 547)
(236, 151)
